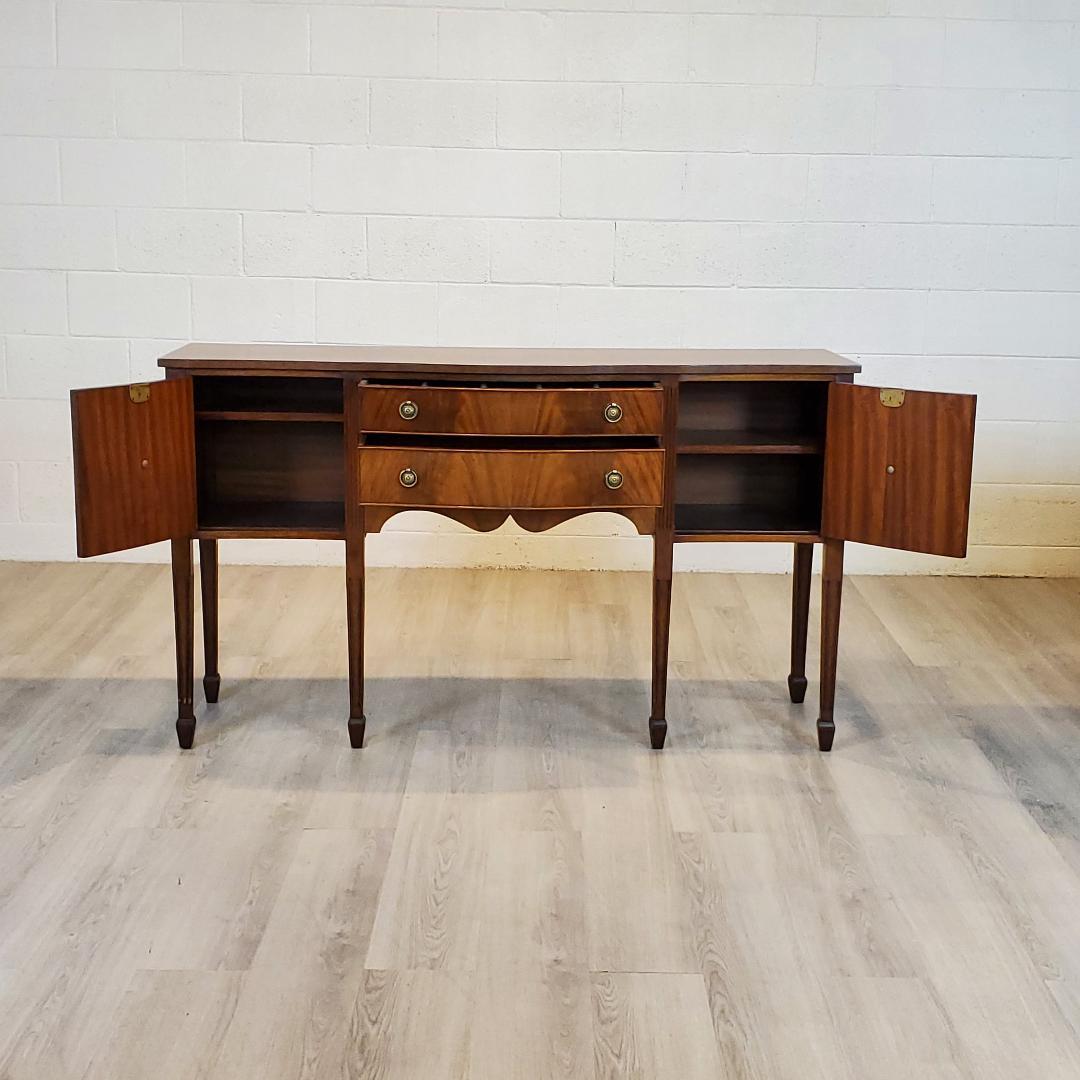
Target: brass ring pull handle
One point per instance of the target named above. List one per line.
(613, 412)
(614, 479)
(408, 478)
(408, 410)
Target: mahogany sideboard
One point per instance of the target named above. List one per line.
(329, 442)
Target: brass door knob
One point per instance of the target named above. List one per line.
(614, 479)
(408, 478)
(613, 412)
(408, 410)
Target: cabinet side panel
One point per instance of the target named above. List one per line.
(134, 466)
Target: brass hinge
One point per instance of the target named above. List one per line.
(139, 392)
(891, 399)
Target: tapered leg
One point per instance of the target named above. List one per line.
(208, 575)
(832, 582)
(354, 593)
(661, 625)
(183, 576)
(800, 616)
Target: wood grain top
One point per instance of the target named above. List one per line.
(389, 359)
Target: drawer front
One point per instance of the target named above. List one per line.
(428, 410)
(511, 479)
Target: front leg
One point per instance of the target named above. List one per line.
(800, 616)
(661, 627)
(208, 575)
(183, 580)
(354, 598)
(832, 582)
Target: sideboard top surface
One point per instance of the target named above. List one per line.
(445, 360)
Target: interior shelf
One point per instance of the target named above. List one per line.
(752, 417)
(719, 518)
(706, 441)
(273, 518)
(752, 494)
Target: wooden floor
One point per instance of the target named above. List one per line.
(506, 882)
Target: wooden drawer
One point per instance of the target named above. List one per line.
(512, 479)
(428, 410)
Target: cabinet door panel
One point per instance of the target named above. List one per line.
(134, 465)
(899, 475)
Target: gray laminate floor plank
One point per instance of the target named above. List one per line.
(506, 882)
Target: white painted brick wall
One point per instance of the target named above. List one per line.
(33, 301)
(421, 248)
(894, 179)
(555, 251)
(248, 176)
(29, 38)
(427, 112)
(116, 34)
(178, 241)
(559, 115)
(1068, 202)
(768, 49)
(45, 237)
(128, 305)
(54, 101)
(305, 109)
(39, 366)
(391, 313)
(177, 105)
(373, 41)
(676, 253)
(243, 37)
(306, 245)
(31, 172)
(121, 172)
(252, 309)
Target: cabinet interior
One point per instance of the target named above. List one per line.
(750, 457)
(269, 397)
(270, 460)
(269, 456)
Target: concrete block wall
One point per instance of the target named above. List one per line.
(897, 180)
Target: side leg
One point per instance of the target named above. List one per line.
(661, 626)
(354, 598)
(208, 575)
(183, 577)
(800, 616)
(832, 582)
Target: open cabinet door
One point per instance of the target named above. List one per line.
(898, 468)
(134, 452)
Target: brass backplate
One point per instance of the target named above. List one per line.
(139, 392)
(891, 399)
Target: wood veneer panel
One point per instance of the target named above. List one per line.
(522, 411)
(502, 363)
(927, 443)
(523, 479)
(134, 466)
